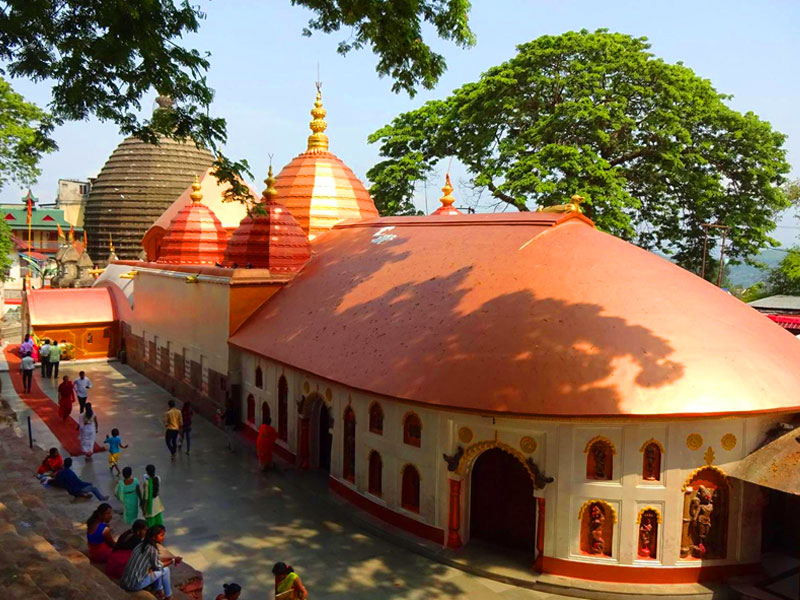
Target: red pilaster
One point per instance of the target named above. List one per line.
(304, 443)
(453, 535)
(537, 565)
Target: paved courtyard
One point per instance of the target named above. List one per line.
(233, 522)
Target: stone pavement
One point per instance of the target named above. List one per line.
(233, 523)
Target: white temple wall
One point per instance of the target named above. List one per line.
(560, 452)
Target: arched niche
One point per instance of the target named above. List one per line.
(652, 456)
(600, 453)
(648, 522)
(706, 498)
(597, 519)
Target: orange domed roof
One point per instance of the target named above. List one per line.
(269, 238)
(535, 314)
(195, 235)
(318, 188)
(228, 213)
(447, 200)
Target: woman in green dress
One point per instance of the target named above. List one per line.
(287, 583)
(129, 494)
(151, 497)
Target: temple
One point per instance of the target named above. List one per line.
(522, 379)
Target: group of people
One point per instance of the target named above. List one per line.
(135, 557)
(57, 472)
(48, 353)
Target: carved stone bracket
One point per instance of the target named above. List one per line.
(539, 479)
(453, 460)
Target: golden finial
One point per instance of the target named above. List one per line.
(269, 192)
(448, 199)
(318, 140)
(110, 243)
(196, 194)
(574, 205)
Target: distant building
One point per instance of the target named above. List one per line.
(784, 310)
(72, 196)
(44, 237)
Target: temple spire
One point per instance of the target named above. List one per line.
(269, 192)
(318, 141)
(196, 194)
(448, 199)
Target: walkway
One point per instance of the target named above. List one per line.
(233, 522)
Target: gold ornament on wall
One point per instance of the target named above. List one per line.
(694, 441)
(709, 456)
(465, 435)
(528, 444)
(728, 441)
(306, 387)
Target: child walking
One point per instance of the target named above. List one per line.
(114, 444)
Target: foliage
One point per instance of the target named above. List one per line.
(24, 130)
(394, 31)
(103, 57)
(5, 249)
(792, 191)
(653, 148)
(785, 278)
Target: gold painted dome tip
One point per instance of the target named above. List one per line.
(447, 199)
(318, 140)
(269, 192)
(196, 194)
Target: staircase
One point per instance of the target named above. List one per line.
(43, 541)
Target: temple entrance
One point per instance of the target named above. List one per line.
(502, 506)
(324, 439)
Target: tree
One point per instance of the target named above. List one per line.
(785, 278)
(5, 249)
(653, 148)
(24, 130)
(104, 56)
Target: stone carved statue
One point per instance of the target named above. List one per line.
(646, 528)
(85, 277)
(596, 518)
(700, 510)
(539, 479)
(651, 463)
(67, 259)
(599, 455)
(453, 459)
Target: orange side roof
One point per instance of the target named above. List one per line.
(70, 306)
(533, 314)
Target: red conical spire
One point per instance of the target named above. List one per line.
(195, 235)
(269, 238)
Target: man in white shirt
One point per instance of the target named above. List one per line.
(44, 357)
(27, 367)
(82, 385)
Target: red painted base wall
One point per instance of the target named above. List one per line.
(422, 530)
(628, 574)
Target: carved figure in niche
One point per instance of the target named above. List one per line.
(700, 509)
(648, 528)
(596, 518)
(652, 463)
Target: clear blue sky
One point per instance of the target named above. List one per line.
(263, 72)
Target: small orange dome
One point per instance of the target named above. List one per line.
(447, 200)
(318, 188)
(195, 235)
(270, 238)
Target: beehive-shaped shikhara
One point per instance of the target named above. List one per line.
(318, 188)
(269, 238)
(195, 235)
(138, 182)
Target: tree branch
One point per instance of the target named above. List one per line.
(521, 206)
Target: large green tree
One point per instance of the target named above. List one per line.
(655, 149)
(102, 57)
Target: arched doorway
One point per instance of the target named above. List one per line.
(502, 506)
(324, 438)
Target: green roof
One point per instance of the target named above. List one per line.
(41, 218)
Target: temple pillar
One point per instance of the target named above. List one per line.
(537, 564)
(454, 524)
(304, 451)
